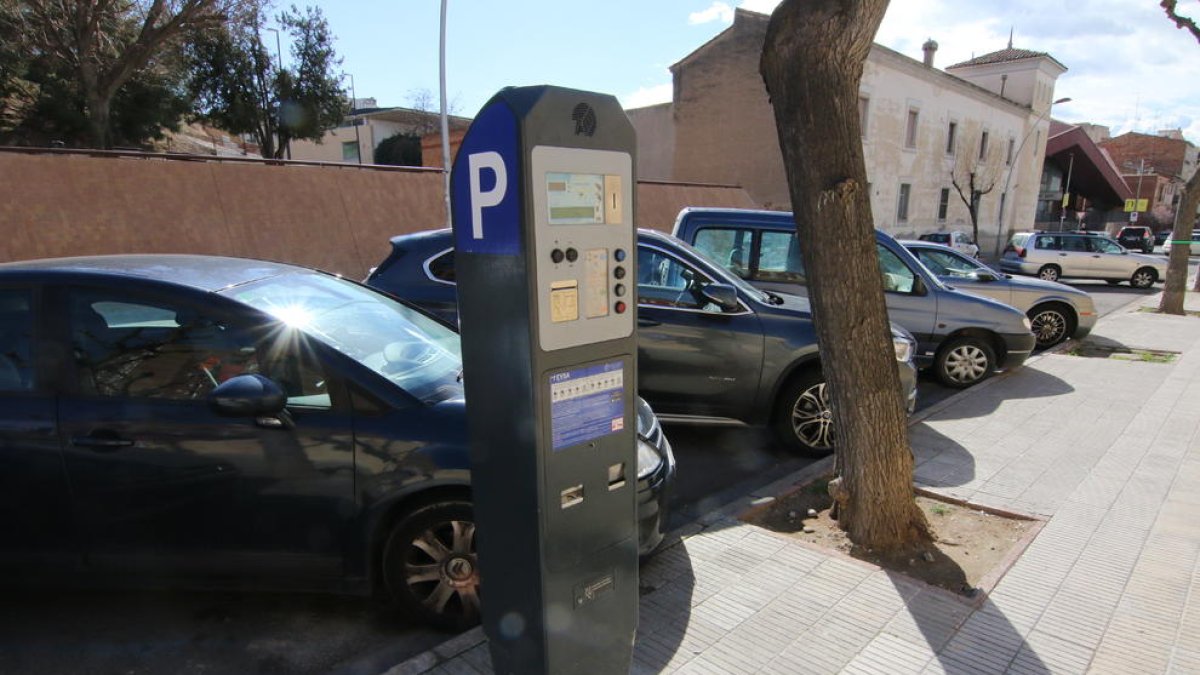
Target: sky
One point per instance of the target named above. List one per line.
(1127, 63)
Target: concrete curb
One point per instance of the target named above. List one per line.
(459, 644)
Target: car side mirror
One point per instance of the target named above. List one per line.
(251, 395)
(984, 276)
(721, 295)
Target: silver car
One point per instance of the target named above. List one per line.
(1056, 311)
(1074, 255)
(1194, 246)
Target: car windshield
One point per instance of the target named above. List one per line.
(720, 274)
(408, 348)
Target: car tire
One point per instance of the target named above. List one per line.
(1144, 277)
(1050, 272)
(1051, 323)
(964, 361)
(430, 567)
(803, 417)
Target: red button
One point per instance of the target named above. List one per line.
(620, 307)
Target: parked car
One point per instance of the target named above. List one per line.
(1194, 246)
(1137, 237)
(711, 348)
(964, 338)
(1067, 255)
(1056, 311)
(957, 240)
(1161, 237)
(207, 421)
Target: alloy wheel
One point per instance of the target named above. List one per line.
(1142, 279)
(812, 418)
(1049, 273)
(1049, 327)
(441, 569)
(966, 363)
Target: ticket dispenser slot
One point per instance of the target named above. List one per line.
(542, 199)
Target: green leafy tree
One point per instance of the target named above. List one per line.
(812, 63)
(99, 46)
(399, 149)
(238, 86)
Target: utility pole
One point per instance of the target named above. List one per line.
(1062, 215)
(354, 119)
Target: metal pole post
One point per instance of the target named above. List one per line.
(445, 119)
(354, 120)
(1137, 198)
(1062, 216)
(1008, 179)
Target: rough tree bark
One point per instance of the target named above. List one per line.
(1177, 267)
(812, 63)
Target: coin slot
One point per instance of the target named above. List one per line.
(616, 476)
(572, 496)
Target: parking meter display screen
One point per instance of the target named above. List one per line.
(575, 198)
(586, 403)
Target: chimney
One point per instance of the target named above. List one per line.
(929, 48)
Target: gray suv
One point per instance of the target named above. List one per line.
(1072, 255)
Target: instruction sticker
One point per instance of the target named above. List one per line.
(586, 403)
(564, 301)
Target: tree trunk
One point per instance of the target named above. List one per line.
(812, 62)
(99, 110)
(1177, 267)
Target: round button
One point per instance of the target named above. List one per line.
(572, 255)
(619, 272)
(556, 255)
(619, 255)
(619, 290)
(619, 308)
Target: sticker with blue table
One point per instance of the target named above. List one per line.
(586, 403)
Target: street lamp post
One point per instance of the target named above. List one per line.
(1062, 212)
(445, 118)
(354, 120)
(1016, 158)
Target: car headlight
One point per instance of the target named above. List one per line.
(1025, 322)
(648, 459)
(904, 348)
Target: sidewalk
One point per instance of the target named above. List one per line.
(1107, 450)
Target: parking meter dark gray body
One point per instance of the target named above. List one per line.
(543, 204)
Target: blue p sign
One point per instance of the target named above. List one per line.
(485, 190)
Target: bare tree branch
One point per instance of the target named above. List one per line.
(1183, 22)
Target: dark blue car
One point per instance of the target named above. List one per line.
(711, 348)
(219, 422)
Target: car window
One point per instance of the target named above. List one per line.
(1048, 243)
(16, 341)
(730, 247)
(1076, 244)
(1099, 245)
(779, 259)
(897, 277)
(127, 347)
(664, 281)
(415, 352)
(442, 267)
(937, 237)
(946, 264)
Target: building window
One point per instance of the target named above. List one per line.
(350, 151)
(910, 134)
(943, 204)
(983, 145)
(1009, 156)
(864, 104)
(951, 132)
(902, 207)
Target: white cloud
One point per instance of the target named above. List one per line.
(644, 96)
(718, 11)
(760, 6)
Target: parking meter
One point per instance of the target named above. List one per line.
(542, 195)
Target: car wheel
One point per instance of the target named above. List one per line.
(1051, 324)
(1143, 278)
(1050, 272)
(430, 566)
(804, 419)
(964, 361)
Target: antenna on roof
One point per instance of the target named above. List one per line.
(1010, 34)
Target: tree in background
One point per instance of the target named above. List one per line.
(975, 173)
(399, 149)
(238, 86)
(812, 63)
(96, 47)
(1177, 267)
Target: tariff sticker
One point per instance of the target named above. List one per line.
(586, 403)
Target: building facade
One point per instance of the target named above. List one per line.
(1156, 167)
(921, 127)
(355, 140)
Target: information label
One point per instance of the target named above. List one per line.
(586, 403)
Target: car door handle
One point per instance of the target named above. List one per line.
(1063, 254)
(102, 441)
(648, 323)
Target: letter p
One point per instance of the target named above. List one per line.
(480, 200)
